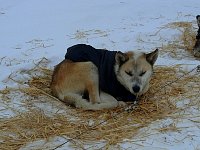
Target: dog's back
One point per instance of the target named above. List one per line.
(84, 53)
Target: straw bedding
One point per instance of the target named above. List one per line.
(110, 126)
(184, 42)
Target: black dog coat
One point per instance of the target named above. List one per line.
(105, 61)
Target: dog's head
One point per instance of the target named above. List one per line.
(134, 70)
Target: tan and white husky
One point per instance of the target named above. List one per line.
(96, 79)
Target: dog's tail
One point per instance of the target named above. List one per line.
(78, 102)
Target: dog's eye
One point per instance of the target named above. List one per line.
(129, 73)
(142, 73)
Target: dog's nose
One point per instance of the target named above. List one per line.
(136, 88)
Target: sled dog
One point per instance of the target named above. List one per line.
(96, 79)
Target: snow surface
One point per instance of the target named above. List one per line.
(33, 29)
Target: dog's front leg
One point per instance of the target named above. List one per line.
(93, 91)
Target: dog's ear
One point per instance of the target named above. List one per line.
(152, 57)
(121, 58)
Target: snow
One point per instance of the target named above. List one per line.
(33, 29)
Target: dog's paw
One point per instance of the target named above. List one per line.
(121, 104)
